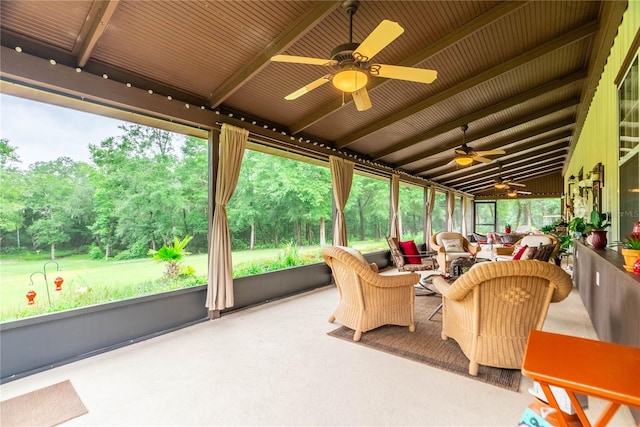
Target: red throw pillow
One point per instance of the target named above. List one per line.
(410, 249)
(519, 252)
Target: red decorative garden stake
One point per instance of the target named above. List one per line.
(31, 295)
(58, 282)
(636, 267)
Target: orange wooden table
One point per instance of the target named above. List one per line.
(595, 368)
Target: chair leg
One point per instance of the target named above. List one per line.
(473, 369)
(357, 335)
(412, 327)
(444, 336)
(332, 318)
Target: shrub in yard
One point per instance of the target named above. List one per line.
(172, 255)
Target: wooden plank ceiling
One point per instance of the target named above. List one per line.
(521, 75)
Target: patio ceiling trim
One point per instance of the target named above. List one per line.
(473, 26)
(96, 27)
(493, 109)
(504, 67)
(288, 37)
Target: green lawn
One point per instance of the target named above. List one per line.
(108, 279)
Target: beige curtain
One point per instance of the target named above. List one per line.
(341, 178)
(431, 200)
(464, 216)
(451, 205)
(220, 288)
(395, 197)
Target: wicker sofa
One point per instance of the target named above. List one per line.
(532, 240)
(368, 299)
(490, 310)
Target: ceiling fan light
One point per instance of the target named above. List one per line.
(512, 194)
(500, 185)
(350, 79)
(464, 160)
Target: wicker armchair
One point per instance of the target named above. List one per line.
(401, 261)
(445, 257)
(490, 310)
(368, 299)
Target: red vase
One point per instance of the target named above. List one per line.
(507, 230)
(636, 267)
(599, 239)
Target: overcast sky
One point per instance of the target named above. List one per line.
(43, 132)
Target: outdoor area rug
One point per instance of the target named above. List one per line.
(425, 345)
(46, 407)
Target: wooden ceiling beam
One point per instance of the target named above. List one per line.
(492, 15)
(504, 67)
(523, 137)
(534, 171)
(285, 39)
(513, 170)
(477, 115)
(487, 169)
(502, 127)
(543, 153)
(518, 149)
(98, 20)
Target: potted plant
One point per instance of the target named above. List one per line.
(507, 228)
(578, 227)
(597, 229)
(630, 250)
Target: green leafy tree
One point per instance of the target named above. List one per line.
(172, 255)
(12, 188)
(61, 207)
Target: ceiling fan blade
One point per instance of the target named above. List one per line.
(490, 152)
(524, 192)
(517, 184)
(482, 159)
(386, 32)
(461, 151)
(361, 99)
(308, 88)
(420, 75)
(303, 60)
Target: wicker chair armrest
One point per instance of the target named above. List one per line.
(392, 281)
(374, 267)
(441, 285)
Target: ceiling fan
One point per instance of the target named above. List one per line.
(352, 65)
(465, 155)
(511, 192)
(501, 183)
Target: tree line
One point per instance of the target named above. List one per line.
(148, 186)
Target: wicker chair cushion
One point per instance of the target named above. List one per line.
(518, 251)
(529, 253)
(544, 252)
(452, 245)
(356, 253)
(411, 252)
